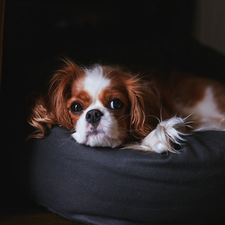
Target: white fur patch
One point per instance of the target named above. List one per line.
(207, 108)
(207, 111)
(95, 82)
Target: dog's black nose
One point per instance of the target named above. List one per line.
(94, 116)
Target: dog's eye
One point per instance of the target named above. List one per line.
(116, 104)
(76, 107)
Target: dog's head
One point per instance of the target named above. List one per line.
(104, 106)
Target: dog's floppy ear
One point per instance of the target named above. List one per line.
(51, 108)
(144, 108)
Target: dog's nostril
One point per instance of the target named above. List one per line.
(88, 116)
(94, 116)
(98, 114)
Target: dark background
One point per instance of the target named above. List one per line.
(154, 34)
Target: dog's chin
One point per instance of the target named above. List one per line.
(97, 138)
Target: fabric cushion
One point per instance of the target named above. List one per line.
(114, 186)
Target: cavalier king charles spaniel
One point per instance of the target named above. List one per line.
(106, 106)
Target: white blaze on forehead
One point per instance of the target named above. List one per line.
(95, 82)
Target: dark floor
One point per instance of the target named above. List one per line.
(35, 216)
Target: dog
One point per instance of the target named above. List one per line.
(110, 107)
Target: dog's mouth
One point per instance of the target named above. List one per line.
(97, 137)
(94, 132)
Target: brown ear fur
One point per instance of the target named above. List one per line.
(51, 109)
(145, 108)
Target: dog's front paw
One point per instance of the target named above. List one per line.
(166, 134)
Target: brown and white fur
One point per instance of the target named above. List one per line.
(106, 106)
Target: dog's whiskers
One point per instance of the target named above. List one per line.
(159, 120)
(123, 117)
(69, 123)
